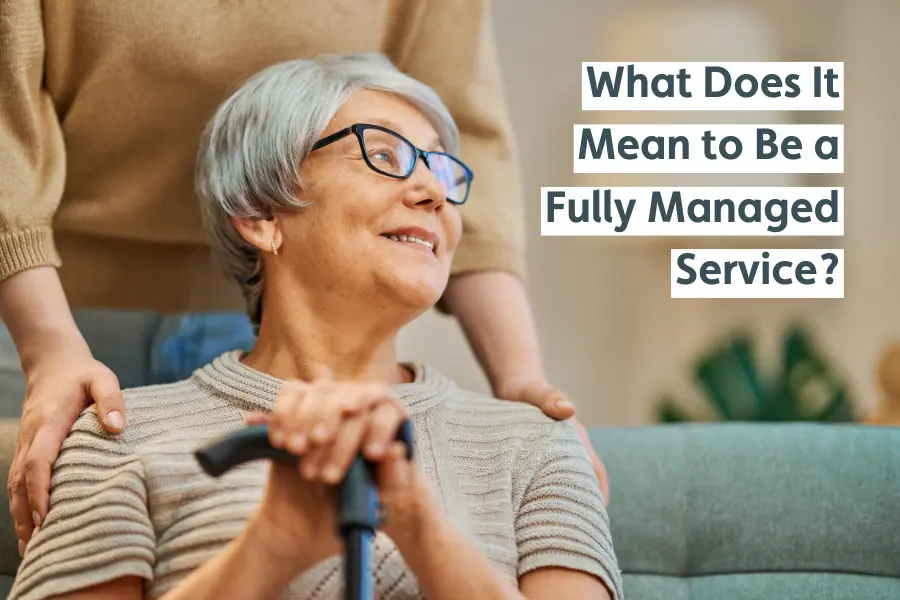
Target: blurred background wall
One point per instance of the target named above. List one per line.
(612, 337)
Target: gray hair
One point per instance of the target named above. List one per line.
(250, 153)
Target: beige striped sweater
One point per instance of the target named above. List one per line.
(518, 484)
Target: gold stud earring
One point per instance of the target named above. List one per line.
(274, 248)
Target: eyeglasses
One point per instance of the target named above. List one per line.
(389, 153)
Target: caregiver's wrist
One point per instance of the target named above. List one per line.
(514, 368)
(510, 385)
(51, 346)
(35, 310)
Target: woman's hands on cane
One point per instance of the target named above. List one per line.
(327, 424)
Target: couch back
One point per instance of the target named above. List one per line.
(736, 511)
(751, 511)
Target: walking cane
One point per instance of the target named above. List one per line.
(357, 496)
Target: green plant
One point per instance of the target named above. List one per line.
(806, 387)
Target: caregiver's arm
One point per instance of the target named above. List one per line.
(32, 304)
(485, 291)
(494, 311)
(62, 379)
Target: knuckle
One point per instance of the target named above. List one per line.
(13, 485)
(291, 386)
(99, 373)
(22, 530)
(283, 405)
(32, 462)
(379, 387)
(324, 386)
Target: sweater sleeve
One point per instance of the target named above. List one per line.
(562, 521)
(32, 155)
(98, 528)
(451, 48)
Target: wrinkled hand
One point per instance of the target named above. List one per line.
(554, 404)
(58, 389)
(328, 423)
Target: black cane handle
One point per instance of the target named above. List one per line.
(252, 443)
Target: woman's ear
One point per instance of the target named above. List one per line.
(265, 234)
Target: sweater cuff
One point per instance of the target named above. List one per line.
(23, 250)
(477, 256)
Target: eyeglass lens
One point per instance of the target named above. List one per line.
(392, 155)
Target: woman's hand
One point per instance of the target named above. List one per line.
(327, 424)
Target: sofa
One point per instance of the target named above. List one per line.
(726, 511)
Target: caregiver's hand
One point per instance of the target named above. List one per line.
(326, 423)
(555, 405)
(60, 386)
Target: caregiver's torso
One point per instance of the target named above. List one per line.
(133, 84)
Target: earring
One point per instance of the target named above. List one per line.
(274, 248)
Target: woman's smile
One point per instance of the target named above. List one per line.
(416, 238)
(413, 244)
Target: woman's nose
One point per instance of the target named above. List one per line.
(426, 190)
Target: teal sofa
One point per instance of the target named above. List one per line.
(727, 511)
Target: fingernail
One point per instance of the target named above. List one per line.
(297, 442)
(21, 548)
(562, 403)
(277, 438)
(331, 474)
(319, 432)
(36, 518)
(375, 449)
(114, 418)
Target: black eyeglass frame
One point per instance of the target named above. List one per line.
(358, 130)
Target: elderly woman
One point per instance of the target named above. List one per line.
(330, 191)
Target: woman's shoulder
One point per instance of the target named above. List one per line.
(490, 419)
(155, 411)
(484, 407)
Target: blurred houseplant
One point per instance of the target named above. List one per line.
(806, 388)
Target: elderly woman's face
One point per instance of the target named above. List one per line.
(364, 230)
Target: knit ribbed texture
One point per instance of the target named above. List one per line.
(518, 484)
(27, 249)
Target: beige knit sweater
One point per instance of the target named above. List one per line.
(517, 483)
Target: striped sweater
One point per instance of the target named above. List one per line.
(516, 483)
